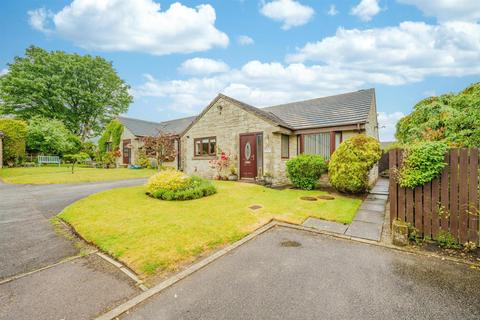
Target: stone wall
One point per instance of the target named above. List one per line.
(226, 121)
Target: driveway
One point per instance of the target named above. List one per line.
(77, 289)
(292, 274)
(27, 238)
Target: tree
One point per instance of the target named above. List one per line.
(451, 118)
(76, 158)
(161, 147)
(84, 92)
(50, 137)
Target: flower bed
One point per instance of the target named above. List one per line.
(175, 185)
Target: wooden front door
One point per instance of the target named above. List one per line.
(248, 159)
(126, 151)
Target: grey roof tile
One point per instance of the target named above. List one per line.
(335, 110)
(148, 128)
(347, 108)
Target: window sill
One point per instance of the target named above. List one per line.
(204, 157)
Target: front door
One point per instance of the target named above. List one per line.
(248, 161)
(126, 151)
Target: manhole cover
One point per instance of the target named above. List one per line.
(308, 198)
(255, 207)
(290, 243)
(323, 197)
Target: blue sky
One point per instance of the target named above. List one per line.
(177, 56)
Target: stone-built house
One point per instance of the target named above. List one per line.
(259, 141)
(134, 130)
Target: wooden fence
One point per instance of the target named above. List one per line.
(448, 203)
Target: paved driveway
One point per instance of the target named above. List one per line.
(78, 289)
(27, 239)
(323, 278)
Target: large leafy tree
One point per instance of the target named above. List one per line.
(452, 118)
(84, 92)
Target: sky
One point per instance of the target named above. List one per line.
(177, 56)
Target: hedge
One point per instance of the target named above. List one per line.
(15, 133)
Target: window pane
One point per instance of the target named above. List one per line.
(318, 143)
(259, 155)
(204, 147)
(197, 148)
(338, 139)
(212, 146)
(285, 146)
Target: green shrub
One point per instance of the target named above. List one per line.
(446, 240)
(50, 137)
(350, 164)
(305, 170)
(179, 188)
(15, 134)
(422, 162)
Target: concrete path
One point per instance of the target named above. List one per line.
(29, 242)
(369, 219)
(291, 274)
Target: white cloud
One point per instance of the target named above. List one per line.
(402, 54)
(387, 125)
(203, 66)
(447, 10)
(134, 25)
(332, 11)
(3, 71)
(245, 40)
(366, 9)
(39, 18)
(258, 83)
(291, 13)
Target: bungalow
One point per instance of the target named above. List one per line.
(260, 140)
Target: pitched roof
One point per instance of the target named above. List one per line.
(148, 128)
(269, 116)
(346, 108)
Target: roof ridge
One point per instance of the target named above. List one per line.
(313, 99)
(153, 122)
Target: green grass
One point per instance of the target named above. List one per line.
(152, 235)
(63, 174)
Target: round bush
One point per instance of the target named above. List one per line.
(350, 164)
(175, 185)
(305, 170)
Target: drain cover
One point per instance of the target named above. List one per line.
(308, 198)
(290, 243)
(323, 197)
(255, 207)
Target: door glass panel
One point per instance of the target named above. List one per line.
(248, 151)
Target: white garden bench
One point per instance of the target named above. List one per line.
(48, 160)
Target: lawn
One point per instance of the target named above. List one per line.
(151, 235)
(63, 174)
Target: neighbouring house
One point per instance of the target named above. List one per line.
(260, 140)
(134, 130)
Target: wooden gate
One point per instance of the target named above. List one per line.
(448, 203)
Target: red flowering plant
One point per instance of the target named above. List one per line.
(220, 164)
